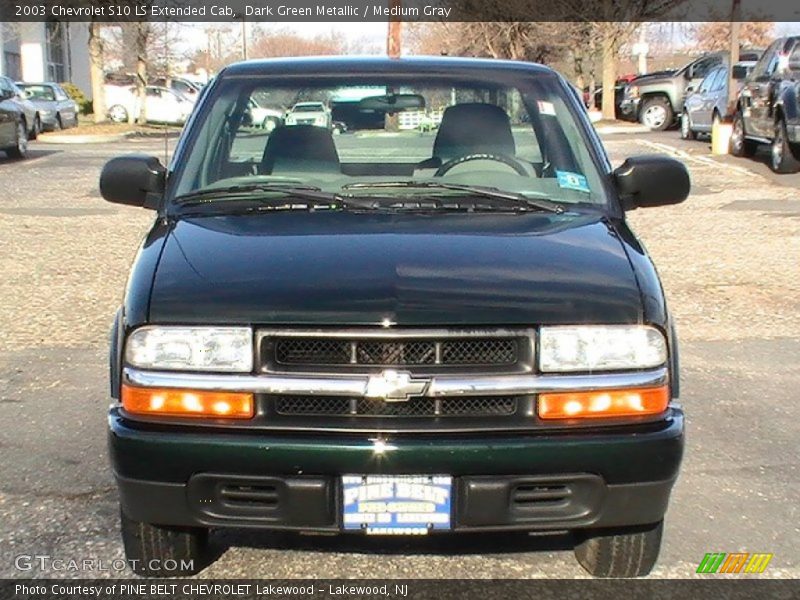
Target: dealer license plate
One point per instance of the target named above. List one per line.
(397, 504)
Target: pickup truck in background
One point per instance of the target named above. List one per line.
(656, 100)
(768, 107)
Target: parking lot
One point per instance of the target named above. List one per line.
(728, 258)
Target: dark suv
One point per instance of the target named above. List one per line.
(768, 107)
(398, 333)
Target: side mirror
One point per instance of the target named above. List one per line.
(134, 179)
(651, 180)
(690, 89)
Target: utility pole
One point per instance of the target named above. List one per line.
(736, 17)
(393, 39)
(393, 49)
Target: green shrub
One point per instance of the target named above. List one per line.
(74, 92)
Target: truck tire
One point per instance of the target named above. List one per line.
(157, 551)
(656, 113)
(782, 158)
(739, 145)
(630, 552)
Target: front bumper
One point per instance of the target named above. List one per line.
(629, 109)
(48, 121)
(593, 478)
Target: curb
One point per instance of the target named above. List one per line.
(616, 129)
(48, 138)
(103, 138)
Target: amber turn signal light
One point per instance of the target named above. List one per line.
(600, 404)
(187, 403)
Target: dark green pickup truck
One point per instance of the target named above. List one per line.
(390, 331)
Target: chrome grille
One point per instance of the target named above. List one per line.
(468, 406)
(509, 351)
(312, 351)
(486, 351)
(395, 353)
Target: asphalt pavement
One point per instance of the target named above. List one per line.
(63, 270)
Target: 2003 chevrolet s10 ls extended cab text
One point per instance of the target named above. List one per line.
(394, 332)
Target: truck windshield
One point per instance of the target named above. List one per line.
(520, 138)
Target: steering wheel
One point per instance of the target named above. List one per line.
(505, 159)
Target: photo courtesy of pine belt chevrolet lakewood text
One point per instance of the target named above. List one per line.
(348, 322)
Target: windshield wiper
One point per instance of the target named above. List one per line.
(514, 199)
(253, 191)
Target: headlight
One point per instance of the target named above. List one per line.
(600, 348)
(633, 91)
(191, 348)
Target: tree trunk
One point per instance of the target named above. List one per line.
(141, 72)
(609, 72)
(96, 72)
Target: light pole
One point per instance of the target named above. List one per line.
(736, 15)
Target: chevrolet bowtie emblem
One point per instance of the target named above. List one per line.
(395, 386)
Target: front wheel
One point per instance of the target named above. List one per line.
(37, 128)
(158, 551)
(740, 145)
(269, 124)
(686, 127)
(782, 159)
(20, 147)
(656, 113)
(629, 552)
(118, 114)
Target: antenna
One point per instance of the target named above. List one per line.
(167, 78)
(167, 75)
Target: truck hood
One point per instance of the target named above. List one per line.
(340, 268)
(654, 80)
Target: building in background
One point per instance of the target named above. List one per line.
(49, 51)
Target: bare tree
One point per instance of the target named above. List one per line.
(717, 35)
(285, 42)
(520, 40)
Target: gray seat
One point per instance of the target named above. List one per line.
(300, 148)
(473, 128)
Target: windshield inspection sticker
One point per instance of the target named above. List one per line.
(572, 181)
(546, 108)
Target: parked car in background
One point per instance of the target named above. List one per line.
(656, 100)
(768, 107)
(13, 121)
(709, 102)
(56, 109)
(33, 123)
(262, 116)
(309, 113)
(162, 105)
(187, 88)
